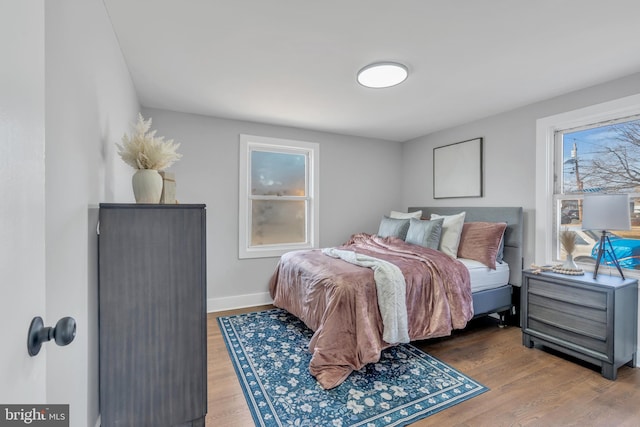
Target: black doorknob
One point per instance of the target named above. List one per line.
(63, 333)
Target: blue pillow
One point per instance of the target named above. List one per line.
(425, 233)
(393, 227)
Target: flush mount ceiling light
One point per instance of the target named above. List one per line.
(382, 74)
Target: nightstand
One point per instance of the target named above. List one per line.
(593, 320)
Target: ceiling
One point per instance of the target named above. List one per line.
(294, 62)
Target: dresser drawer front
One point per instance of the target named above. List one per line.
(566, 338)
(583, 297)
(588, 321)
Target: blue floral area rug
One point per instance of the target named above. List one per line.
(269, 350)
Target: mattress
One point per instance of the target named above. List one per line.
(483, 278)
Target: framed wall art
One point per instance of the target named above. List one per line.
(457, 170)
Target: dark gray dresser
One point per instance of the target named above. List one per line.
(593, 320)
(152, 315)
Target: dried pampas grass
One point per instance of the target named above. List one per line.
(143, 150)
(568, 241)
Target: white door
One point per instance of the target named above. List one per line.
(22, 203)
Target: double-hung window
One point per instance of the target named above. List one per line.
(601, 158)
(590, 151)
(278, 196)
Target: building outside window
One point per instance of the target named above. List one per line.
(278, 196)
(590, 159)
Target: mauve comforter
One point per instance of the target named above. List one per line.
(337, 300)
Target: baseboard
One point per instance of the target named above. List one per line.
(238, 301)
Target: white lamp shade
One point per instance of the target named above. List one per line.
(606, 212)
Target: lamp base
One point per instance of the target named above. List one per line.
(603, 240)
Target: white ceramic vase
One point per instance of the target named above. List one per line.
(147, 186)
(569, 264)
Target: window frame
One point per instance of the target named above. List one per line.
(249, 143)
(546, 152)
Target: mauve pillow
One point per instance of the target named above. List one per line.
(480, 241)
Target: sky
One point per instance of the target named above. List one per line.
(588, 143)
(278, 173)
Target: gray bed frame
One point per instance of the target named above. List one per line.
(498, 300)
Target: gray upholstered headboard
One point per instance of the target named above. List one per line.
(513, 244)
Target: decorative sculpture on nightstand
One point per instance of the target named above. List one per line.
(560, 269)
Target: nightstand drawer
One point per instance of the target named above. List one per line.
(562, 292)
(588, 321)
(568, 338)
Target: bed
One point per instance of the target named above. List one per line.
(497, 298)
(427, 293)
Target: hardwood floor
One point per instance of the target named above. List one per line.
(528, 387)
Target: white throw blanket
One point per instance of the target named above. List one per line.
(391, 288)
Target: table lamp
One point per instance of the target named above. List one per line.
(606, 212)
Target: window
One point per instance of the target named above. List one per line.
(601, 158)
(278, 196)
(593, 150)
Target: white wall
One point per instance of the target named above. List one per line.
(90, 101)
(509, 154)
(359, 182)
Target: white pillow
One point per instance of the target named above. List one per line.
(451, 231)
(404, 215)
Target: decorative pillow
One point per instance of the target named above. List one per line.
(404, 215)
(480, 241)
(393, 227)
(451, 229)
(425, 233)
(500, 255)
